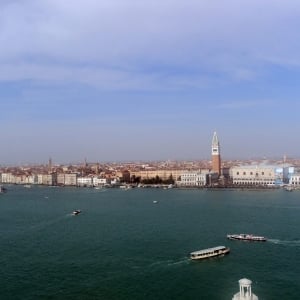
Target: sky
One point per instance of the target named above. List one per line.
(132, 80)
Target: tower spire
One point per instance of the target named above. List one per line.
(215, 152)
(50, 165)
(215, 145)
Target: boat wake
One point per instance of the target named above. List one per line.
(182, 261)
(293, 243)
(170, 263)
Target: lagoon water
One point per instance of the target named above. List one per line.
(123, 246)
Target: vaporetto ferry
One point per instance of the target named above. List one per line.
(210, 252)
(246, 237)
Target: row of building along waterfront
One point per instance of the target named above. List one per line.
(213, 173)
(243, 175)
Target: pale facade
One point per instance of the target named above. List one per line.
(193, 179)
(97, 181)
(85, 181)
(18, 179)
(257, 175)
(30, 179)
(295, 180)
(40, 179)
(67, 179)
(48, 179)
(71, 179)
(162, 174)
(7, 177)
(61, 179)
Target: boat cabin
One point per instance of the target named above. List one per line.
(210, 252)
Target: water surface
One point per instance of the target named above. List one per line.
(123, 246)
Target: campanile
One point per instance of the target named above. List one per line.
(215, 154)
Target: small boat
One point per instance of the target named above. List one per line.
(155, 201)
(76, 212)
(246, 237)
(210, 252)
(288, 188)
(2, 189)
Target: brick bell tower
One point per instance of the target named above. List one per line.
(215, 154)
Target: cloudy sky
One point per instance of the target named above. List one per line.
(115, 80)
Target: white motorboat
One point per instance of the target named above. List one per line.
(246, 237)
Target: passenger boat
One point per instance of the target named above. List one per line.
(246, 237)
(210, 252)
(76, 212)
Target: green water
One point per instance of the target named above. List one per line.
(123, 246)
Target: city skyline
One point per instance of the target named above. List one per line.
(129, 81)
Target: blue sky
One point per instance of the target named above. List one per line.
(119, 80)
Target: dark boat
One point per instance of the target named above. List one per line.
(2, 189)
(246, 237)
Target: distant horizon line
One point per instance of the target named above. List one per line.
(143, 161)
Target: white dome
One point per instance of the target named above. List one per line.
(245, 281)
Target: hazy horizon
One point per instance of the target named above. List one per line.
(111, 162)
(130, 81)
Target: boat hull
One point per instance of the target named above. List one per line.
(210, 253)
(246, 237)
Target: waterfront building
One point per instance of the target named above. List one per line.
(216, 155)
(85, 181)
(29, 179)
(123, 175)
(199, 178)
(161, 173)
(98, 181)
(18, 178)
(39, 178)
(60, 179)
(260, 175)
(115, 181)
(48, 179)
(193, 178)
(71, 179)
(295, 180)
(67, 179)
(7, 177)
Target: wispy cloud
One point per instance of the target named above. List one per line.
(91, 66)
(134, 41)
